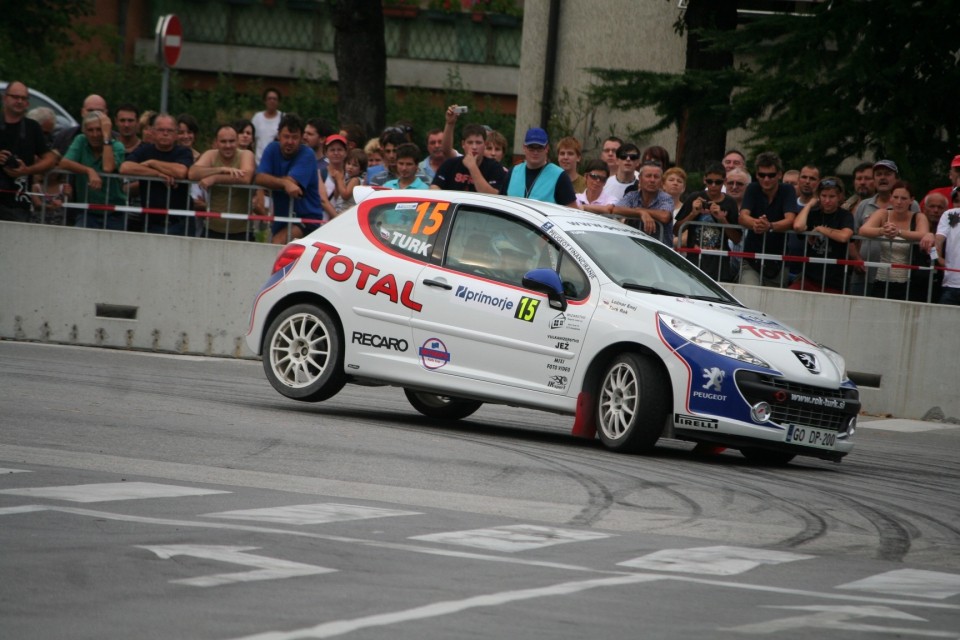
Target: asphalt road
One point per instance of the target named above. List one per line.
(152, 496)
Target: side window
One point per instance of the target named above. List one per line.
(492, 246)
(576, 285)
(409, 228)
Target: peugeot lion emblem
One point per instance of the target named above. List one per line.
(808, 360)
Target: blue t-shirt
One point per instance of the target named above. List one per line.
(416, 184)
(302, 167)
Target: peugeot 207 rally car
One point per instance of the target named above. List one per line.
(463, 298)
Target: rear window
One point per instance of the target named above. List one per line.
(408, 228)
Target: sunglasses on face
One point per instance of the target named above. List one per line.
(736, 184)
(629, 156)
(764, 174)
(534, 147)
(713, 182)
(599, 177)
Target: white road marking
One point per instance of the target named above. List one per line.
(379, 544)
(711, 561)
(436, 609)
(910, 582)
(301, 514)
(512, 538)
(27, 508)
(3, 471)
(906, 426)
(267, 568)
(838, 619)
(110, 491)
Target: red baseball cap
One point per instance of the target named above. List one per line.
(335, 138)
(955, 162)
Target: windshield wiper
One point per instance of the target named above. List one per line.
(633, 286)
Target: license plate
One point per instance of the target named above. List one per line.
(811, 437)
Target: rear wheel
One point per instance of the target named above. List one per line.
(303, 354)
(631, 404)
(441, 407)
(766, 456)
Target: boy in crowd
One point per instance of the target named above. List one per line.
(472, 171)
(408, 155)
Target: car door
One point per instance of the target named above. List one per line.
(483, 324)
(382, 282)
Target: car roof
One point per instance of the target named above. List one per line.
(566, 218)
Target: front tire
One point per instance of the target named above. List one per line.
(303, 354)
(632, 403)
(441, 407)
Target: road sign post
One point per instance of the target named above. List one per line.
(169, 43)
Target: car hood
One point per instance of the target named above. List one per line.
(785, 349)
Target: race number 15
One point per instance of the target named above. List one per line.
(434, 217)
(527, 309)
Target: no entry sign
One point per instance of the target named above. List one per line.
(169, 39)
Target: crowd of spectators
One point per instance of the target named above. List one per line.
(773, 227)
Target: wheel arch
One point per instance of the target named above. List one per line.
(604, 356)
(300, 297)
(584, 422)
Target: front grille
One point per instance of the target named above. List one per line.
(797, 404)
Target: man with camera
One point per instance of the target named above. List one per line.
(23, 152)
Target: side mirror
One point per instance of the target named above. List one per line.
(547, 281)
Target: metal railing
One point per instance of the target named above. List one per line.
(121, 205)
(805, 267)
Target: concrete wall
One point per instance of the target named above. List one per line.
(194, 296)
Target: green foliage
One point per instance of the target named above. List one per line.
(424, 109)
(32, 32)
(847, 80)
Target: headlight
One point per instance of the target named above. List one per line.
(837, 360)
(709, 340)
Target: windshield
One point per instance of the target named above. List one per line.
(642, 265)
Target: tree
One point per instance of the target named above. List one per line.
(360, 53)
(697, 101)
(32, 32)
(846, 79)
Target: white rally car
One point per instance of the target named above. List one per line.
(463, 298)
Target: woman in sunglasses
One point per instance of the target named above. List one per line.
(593, 199)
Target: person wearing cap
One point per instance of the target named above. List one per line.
(535, 177)
(953, 175)
(859, 279)
(948, 250)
